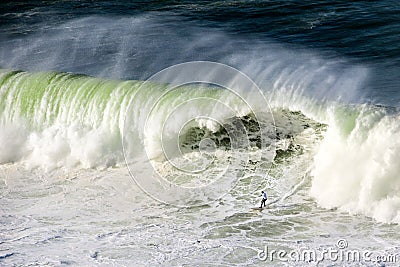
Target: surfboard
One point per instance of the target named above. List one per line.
(258, 208)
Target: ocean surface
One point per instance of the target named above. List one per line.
(142, 133)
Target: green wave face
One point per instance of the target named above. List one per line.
(46, 98)
(57, 116)
(73, 108)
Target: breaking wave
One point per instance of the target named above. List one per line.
(63, 120)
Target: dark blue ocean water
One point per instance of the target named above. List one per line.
(115, 39)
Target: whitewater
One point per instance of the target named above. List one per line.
(104, 162)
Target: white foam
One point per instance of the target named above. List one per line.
(12, 143)
(356, 167)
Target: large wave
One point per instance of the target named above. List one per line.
(63, 120)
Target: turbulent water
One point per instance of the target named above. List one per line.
(143, 133)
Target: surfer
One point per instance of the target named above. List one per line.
(264, 198)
